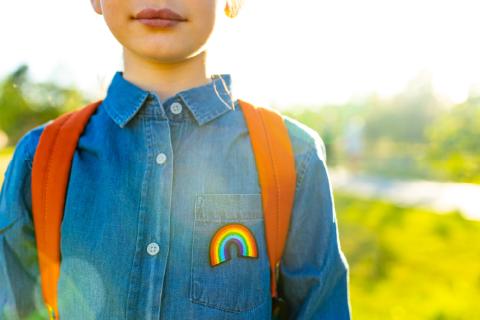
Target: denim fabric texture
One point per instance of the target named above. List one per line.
(151, 183)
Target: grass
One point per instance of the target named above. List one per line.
(408, 263)
(5, 156)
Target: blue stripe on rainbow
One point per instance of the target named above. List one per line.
(232, 234)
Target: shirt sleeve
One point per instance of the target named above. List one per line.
(313, 272)
(19, 276)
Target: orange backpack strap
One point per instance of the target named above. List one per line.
(277, 176)
(50, 175)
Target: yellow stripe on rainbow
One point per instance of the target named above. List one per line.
(234, 233)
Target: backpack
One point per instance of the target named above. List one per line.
(51, 170)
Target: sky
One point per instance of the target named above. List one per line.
(280, 53)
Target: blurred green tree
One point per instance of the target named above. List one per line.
(454, 143)
(25, 104)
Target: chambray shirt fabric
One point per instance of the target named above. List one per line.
(150, 185)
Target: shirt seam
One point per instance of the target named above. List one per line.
(304, 166)
(29, 154)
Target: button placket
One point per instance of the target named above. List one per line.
(150, 262)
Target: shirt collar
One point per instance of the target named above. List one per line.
(124, 99)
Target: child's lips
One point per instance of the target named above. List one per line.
(159, 17)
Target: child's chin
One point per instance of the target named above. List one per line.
(162, 53)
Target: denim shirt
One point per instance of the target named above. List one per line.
(151, 183)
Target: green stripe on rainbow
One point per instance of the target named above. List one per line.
(234, 233)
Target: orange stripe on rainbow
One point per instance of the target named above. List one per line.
(230, 234)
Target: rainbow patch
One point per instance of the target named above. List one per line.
(232, 234)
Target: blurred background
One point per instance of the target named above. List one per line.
(393, 88)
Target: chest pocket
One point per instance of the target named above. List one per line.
(230, 267)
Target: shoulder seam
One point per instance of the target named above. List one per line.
(303, 167)
(29, 154)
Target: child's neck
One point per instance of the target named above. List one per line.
(165, 79)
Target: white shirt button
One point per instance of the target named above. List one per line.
(161, 158)
(153, 248)
(176, 107)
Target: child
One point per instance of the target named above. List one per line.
(162, 164)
